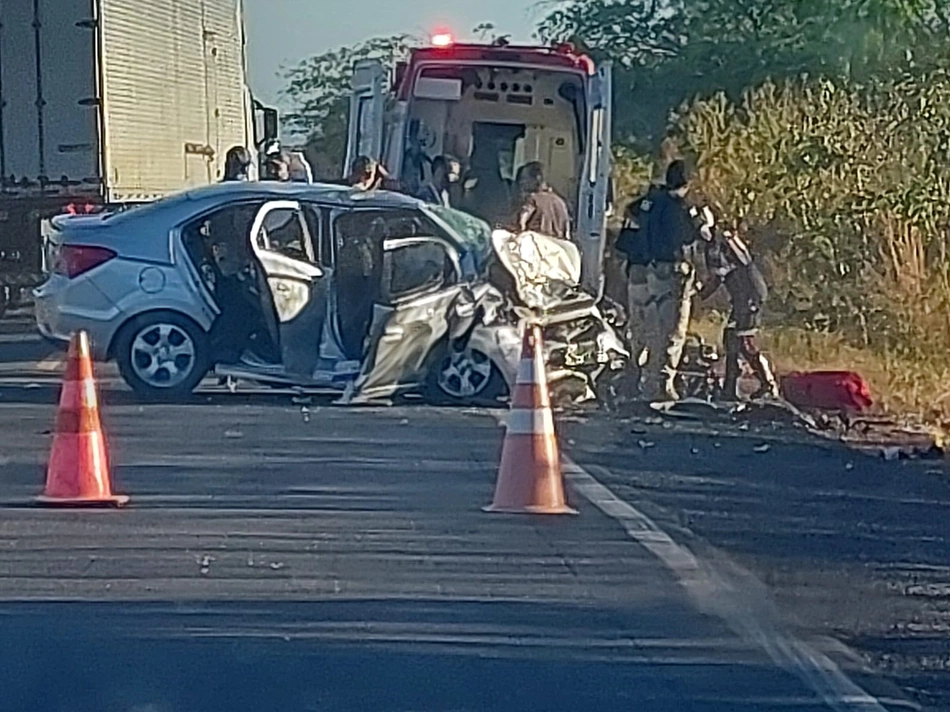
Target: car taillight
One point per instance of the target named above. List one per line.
(74, 260)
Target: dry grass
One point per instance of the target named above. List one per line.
(914, 387)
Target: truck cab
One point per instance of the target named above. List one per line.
(495, 108)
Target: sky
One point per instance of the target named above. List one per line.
(282, 32)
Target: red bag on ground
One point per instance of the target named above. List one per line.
(827, 390)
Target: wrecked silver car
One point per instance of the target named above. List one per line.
(318, 287)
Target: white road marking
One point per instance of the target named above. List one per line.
(734, 595)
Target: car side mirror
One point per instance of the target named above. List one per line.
(271, 122)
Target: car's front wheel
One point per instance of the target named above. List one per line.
(465, 375)
(162, 355)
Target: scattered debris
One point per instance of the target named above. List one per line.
(891, 453)
(688, 409)
(205, 563)
(910, 452)
(645, 445)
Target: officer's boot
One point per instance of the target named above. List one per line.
(730, 384)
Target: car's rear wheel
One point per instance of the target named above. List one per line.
(162, 355)
(465, 375)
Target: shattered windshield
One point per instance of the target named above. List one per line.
(473, 234)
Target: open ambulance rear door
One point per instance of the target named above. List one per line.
(595, 183)
(367, 107)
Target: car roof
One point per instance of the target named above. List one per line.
(194, 201)
(323, 192)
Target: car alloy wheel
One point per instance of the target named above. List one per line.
(163, 355)
(465, 373)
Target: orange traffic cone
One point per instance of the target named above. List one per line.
(529, 478)
(78, 472)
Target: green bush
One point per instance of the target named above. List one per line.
(845, 190)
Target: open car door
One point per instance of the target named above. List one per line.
(595, 182)
(420, 285)
(282, 240)
(367, 106)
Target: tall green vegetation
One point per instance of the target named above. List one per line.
(823, 127)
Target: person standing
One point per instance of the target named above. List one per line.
(277, 167)
(446, 174)
(367, 174)
(541, 210)
(642, 326)
(237, 165)
(672, 228)
(730, 263)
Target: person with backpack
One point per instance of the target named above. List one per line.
(730, 263)
(667, 230)
(633, 243)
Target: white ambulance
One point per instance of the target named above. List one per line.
(495, 107)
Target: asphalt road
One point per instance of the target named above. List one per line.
(288, 556)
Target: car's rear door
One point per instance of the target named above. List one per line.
(283, 240)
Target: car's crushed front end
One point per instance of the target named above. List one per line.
(475, 345)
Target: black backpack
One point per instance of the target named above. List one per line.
(634, 240)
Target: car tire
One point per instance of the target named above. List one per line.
(162, 355)
(464, 377)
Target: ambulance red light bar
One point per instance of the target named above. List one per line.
(442, 39)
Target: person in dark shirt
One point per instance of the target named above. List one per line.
(368, 174)
(442, 189)
(671, 227)
(730, 263)
(541, 209)
(237, 164)
(277, 167)
(642, 325)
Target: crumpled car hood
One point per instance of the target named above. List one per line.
(546, 270)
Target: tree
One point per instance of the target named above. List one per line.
(319, 88)
(670, 51)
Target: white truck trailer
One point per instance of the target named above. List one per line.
(110, 102)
